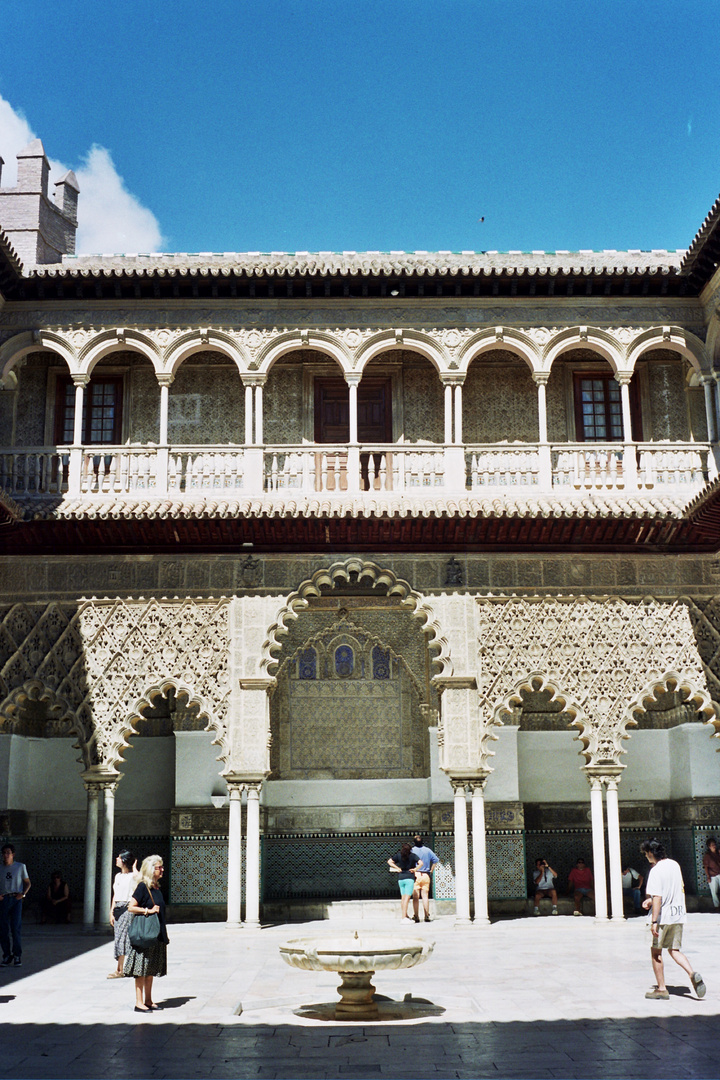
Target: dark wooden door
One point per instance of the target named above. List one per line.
(332, 411)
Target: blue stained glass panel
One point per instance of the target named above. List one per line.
(344, 661)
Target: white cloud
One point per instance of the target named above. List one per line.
(110, 218)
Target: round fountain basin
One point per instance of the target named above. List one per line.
(366, 952)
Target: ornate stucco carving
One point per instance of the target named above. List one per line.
(254, 348)
(354, 570)
(100, 664)
(604, 658)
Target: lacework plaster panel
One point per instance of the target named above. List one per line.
(97, 664)
(668, 405)
(423, 409)
(31, 394)
(283, 405)
(206, 405)
(499, 401)
(602, 657)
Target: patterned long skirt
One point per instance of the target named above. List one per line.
(122, 944)
(152, 961)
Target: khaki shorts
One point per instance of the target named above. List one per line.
(669, 936)
(422, 881)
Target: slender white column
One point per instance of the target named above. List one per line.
(625, 403)
(234, 887)
(78, 418)
(613, 831)
(448, 413)
(76, 454)
(91, 837)
(629, 455)
(164, 404)
(708, 387)
(542, 407)
(462, 865)
(259, 415)
(598, 842)
(106, 861)
(479, 848)
(252, 857)
(458, 413)
(248, 414)
(353, 416)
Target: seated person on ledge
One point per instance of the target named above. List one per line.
(544, 882)
(56, 902)
(580, 882)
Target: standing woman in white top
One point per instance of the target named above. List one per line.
(123, 888)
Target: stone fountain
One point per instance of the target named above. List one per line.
(356, 959)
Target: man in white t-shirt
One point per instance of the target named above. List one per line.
(666, 897)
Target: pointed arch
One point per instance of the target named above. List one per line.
(547, 683)
(357, 568)
(127, 726)
(684, 683)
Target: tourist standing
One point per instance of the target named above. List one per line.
(13, 890)
(123, 886)
(403, 864)
(146, 965)
(666, 901)
(427, 861)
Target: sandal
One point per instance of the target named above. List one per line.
(116, 975)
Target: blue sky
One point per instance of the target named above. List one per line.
(375, 124)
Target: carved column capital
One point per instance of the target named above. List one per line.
(458, 786)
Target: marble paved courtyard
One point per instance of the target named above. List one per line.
(548, 997)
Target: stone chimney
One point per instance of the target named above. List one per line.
(40, 230)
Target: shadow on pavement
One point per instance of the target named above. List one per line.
(643, 1049)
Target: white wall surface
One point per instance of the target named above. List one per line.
(197, 770)
(647, 764)
(45, 775)
(503, 783)
(148, 770)
(695, 762)
(550, 767)
(5, 745)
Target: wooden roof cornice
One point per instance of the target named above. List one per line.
(703, 256)
(461, 525)
(322, 275)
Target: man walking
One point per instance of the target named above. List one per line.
(14, 887)
(427, 861)
(666, 898)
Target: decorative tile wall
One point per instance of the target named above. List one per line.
(200, 870)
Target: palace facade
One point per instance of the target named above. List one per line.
(303, 553)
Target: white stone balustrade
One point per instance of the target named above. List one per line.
(494, 466)
(34, 471)
(364, 471)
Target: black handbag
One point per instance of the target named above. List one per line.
(144, 931)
